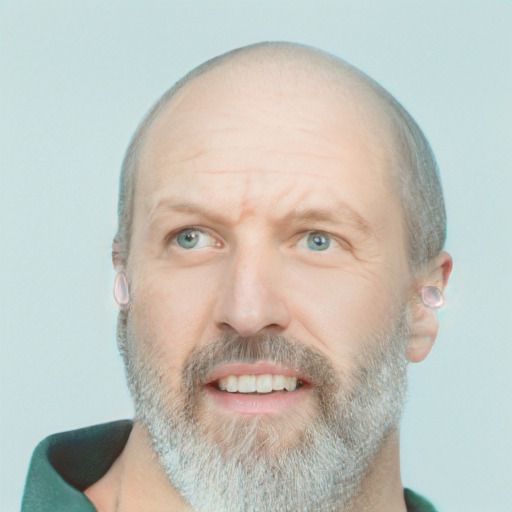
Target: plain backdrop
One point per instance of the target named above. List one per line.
(76, 78)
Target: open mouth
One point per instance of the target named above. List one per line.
(256, 388)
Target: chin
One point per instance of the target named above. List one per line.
(263, 436)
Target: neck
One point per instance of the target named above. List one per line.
(136, 482)
(382, 488)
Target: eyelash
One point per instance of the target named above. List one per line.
(173, 235)
(171, 238)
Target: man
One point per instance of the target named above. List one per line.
(279, 260)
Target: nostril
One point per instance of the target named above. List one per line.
(250, 309)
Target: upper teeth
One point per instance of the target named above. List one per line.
(257, 383)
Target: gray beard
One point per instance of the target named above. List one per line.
(233, 463)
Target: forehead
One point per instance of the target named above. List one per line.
(298, 106)
(268, 136)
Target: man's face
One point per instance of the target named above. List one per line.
(267, 240)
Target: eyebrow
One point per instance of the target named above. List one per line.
(341, 213)
(175, 205)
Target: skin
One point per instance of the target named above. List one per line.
(251, 161)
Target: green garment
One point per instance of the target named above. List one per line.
(63, 465)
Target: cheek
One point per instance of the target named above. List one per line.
(170, 311)
(344, 310)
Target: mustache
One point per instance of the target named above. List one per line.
(268, 346)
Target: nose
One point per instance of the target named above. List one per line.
(253, 297)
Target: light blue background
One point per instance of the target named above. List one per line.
(76, 79)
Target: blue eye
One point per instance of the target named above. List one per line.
(192, 238)
(188, 239)
(318, 241)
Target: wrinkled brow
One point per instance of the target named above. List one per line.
(342, 213)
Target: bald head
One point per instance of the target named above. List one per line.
(284, 68)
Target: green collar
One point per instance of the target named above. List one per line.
(64, 465)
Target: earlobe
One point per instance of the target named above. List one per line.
(425, 326)
(428, 288)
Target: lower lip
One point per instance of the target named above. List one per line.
(257, 404)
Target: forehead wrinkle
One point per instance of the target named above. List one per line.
(309, 144)
(281, 163)
(340, 213)
(251, 172)
(221, 215)
(247, 191)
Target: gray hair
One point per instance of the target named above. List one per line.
(421, 195)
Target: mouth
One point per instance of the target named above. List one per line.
(258, 384)
(260, 388)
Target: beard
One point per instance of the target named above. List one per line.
(301, 460)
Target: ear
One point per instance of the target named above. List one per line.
(425, 323)
(117, 255)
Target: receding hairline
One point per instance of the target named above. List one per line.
(279, 58)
